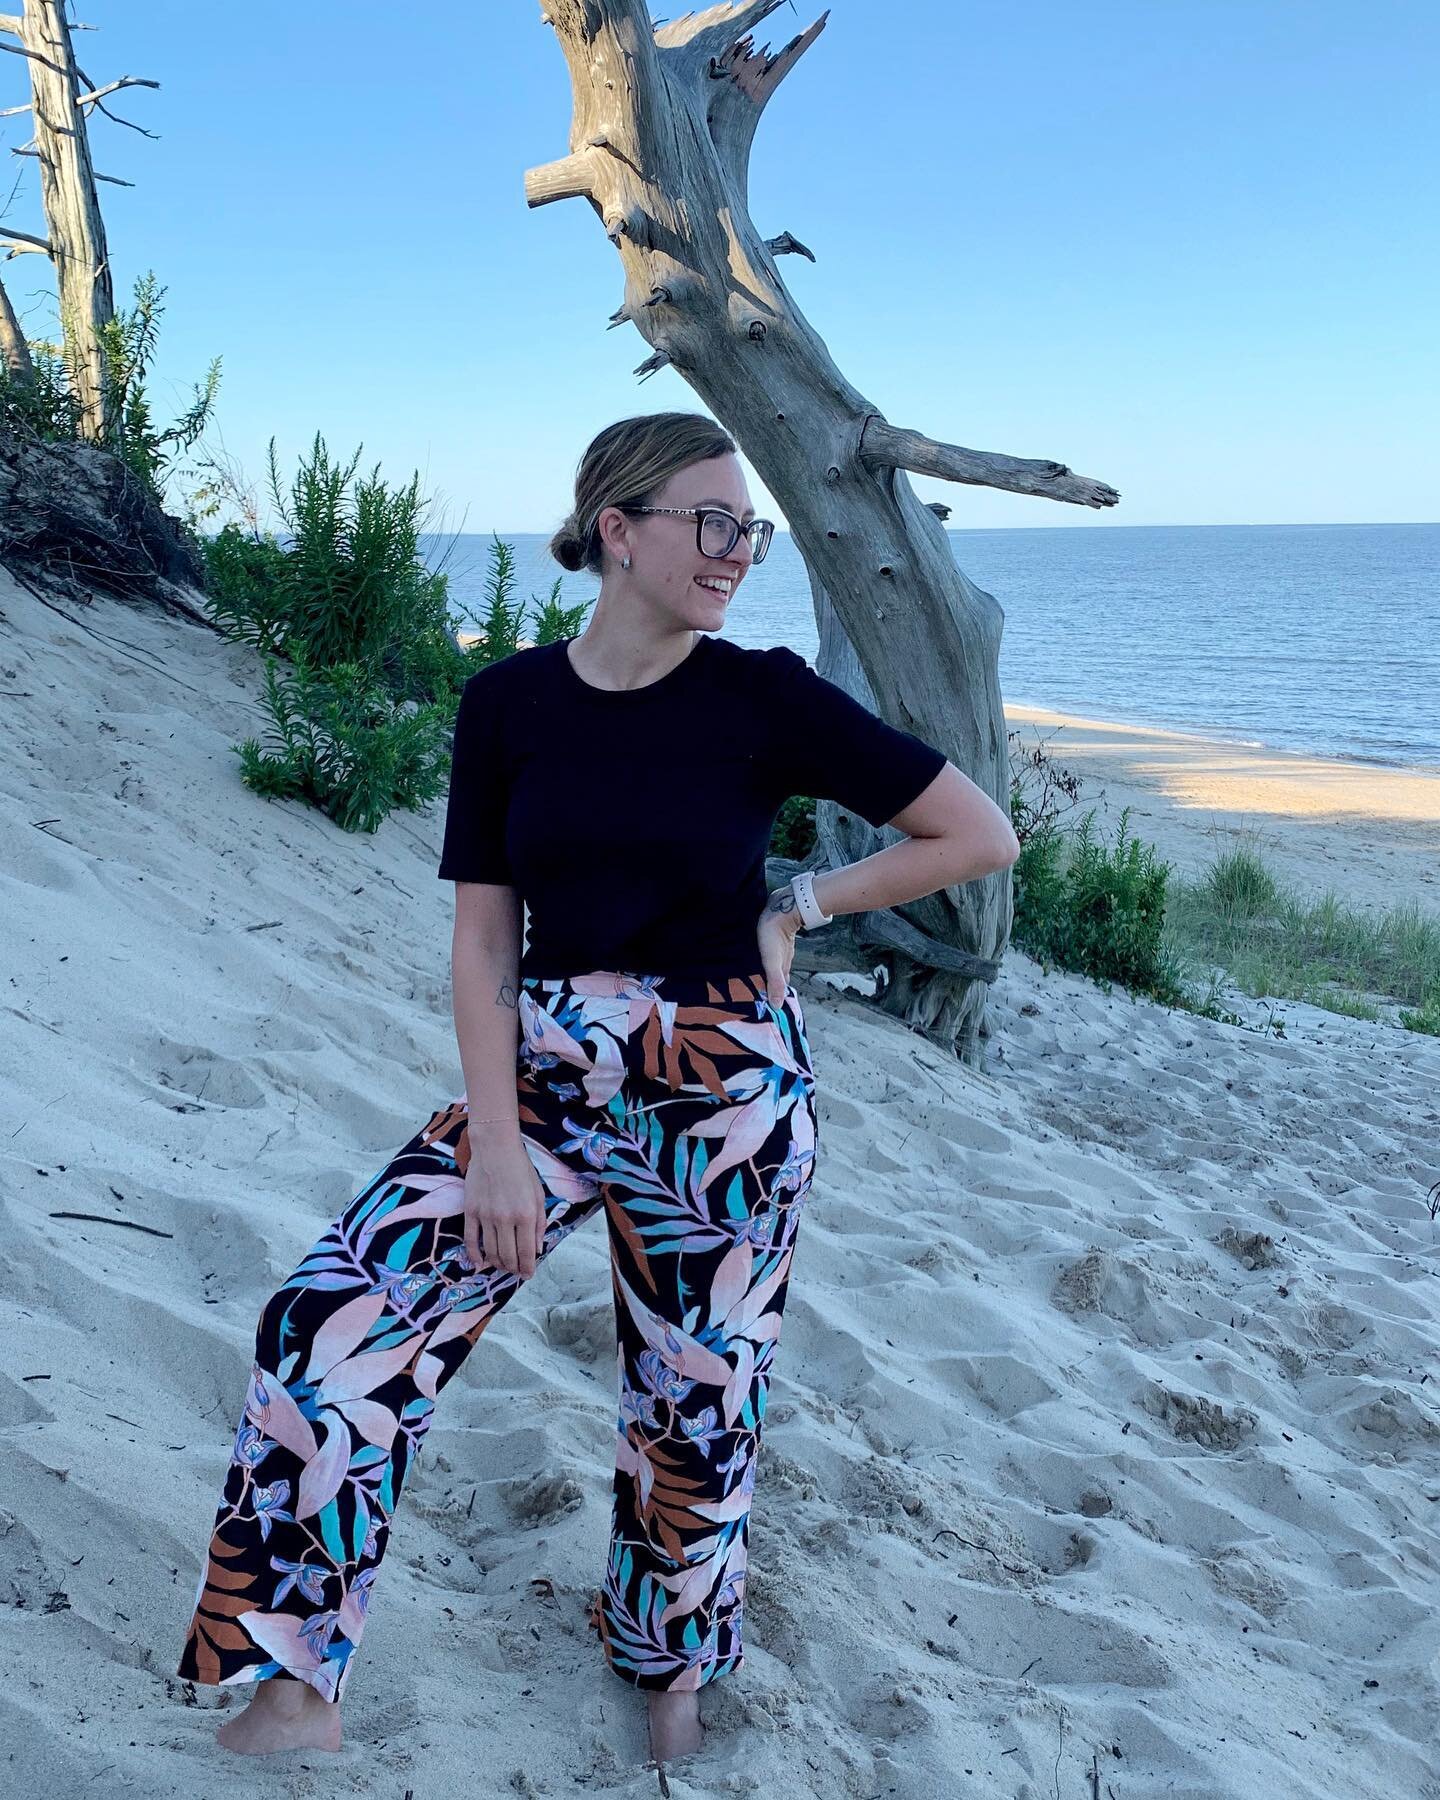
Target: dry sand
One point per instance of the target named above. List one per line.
(1105, 1423)
(1370, 833)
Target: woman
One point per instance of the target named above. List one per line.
(646, 1056)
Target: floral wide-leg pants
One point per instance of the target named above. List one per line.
(685, 1108)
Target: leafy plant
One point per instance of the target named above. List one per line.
(364, 717)
(46, 403)
(344, 745)
(128, 343)
(1097, 909)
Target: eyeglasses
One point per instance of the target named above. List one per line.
(717, 532)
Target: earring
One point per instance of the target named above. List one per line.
(624, 562)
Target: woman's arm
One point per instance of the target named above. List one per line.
(485, 994)
(954, 833)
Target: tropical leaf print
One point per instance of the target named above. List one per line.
(684, 1109)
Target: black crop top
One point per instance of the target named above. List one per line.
(634, 824)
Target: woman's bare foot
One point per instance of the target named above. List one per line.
(675, 1728)
(284, 1715)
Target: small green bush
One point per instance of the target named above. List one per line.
(1094, 909)
(363, 716)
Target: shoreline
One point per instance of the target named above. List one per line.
(1370, 831)
(1217, 734)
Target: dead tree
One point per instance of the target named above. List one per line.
(659, 145)
(62, 97)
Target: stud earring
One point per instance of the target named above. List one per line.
(624, 562)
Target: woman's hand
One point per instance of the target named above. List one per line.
(777, 930)
(504, 1203)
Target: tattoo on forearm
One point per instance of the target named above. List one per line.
(781, 901)
(507, 996)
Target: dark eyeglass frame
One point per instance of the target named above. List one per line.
(765, 528)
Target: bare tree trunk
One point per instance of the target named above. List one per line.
(72, 206)
(659, 144)
(14, 351)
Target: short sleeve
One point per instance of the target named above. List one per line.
(833, 748)
(474, 846)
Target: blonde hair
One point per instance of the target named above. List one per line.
(626, 464)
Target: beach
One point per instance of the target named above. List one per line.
(1104, 1441)
(1370, 833)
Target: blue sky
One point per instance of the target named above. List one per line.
(1186, 248)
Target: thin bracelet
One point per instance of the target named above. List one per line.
(504, 1119)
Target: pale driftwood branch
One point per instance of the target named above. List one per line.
(100, 107)
(10, 112)
(34, 55)
(759, 73)
(884, 446)
(8, 234)
(10, 22)
(113, 87)
(652, 365)
(785, 245)
(569, 178)
(709, 33)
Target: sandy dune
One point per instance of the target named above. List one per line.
(1105, 1426)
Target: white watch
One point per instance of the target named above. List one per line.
(803, 888)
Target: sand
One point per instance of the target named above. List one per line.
(1370, 833)
(1105, 1424)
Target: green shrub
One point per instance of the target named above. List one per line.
(344, 745)
(127, 348)
(363, 719)
(1096, 910)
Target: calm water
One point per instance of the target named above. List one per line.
(1324, 638)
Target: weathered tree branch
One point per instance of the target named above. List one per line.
(8, 234)
(567, 179)
(785, 245)
(112, 87)
(884, 446)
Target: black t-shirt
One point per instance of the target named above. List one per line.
(634, 824)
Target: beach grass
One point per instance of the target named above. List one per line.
(1273, 941)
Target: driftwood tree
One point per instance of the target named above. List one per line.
(663, 121)
(62, 98)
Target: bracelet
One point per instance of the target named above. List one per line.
(803, 888)
(506, 1119)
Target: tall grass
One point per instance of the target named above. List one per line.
(1274, 941)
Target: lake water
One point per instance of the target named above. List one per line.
(1322, 638)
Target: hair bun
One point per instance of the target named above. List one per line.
(568, 547)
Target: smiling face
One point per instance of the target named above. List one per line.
(668, 569)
